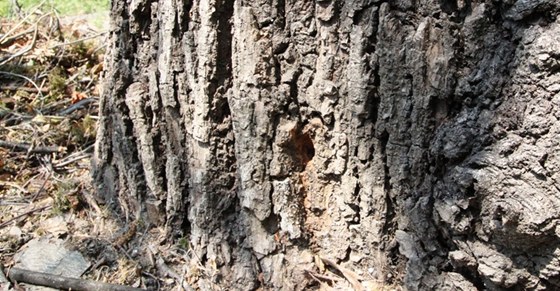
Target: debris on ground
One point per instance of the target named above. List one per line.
(50, 72)
(50, 256)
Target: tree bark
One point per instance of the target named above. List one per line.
(391, 137)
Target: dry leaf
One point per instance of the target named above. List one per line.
(319, 263)
(352, 277)
(55, 226)
(97, 69)
(77, 97)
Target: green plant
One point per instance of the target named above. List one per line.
(61, 203)
(57, 81)
(64, 7)
(183, 243)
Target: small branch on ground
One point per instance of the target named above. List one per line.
(350, 276)
(79, 40)
(22, 215)
(24, 50)
(42, 188)
(8, 41)
(320, 277)
(14, 185)
(72, 160)
(26, 89)
(25, 78)
(78, 105)
(59, 282)
(23, 147)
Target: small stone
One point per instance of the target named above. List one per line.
(544, 57)
(50, 256)
(355, 257)
(554, 88)
(15, 232)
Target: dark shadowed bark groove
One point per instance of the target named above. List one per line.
(413, 140)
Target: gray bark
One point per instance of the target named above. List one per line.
(392, 137)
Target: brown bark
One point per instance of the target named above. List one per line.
(371, 133)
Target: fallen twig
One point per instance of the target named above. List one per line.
(24, 50)
(350, 276)
(59, 282)
(91, 201)
(74, 157)
(42, 188)
(76, 106)
(324, 286)
(14, 185)
(320, 277)
(23, 147)
(13, 118)
(22, 215)
(8, 41)
(72, 160)
(164, 269)
(27, 79)
(28, 47)
(16, 27)
(26, 89)
(78, 40)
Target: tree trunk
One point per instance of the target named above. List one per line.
(392, 137)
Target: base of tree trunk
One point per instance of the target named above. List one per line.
(411, 141)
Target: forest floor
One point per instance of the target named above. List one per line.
(50, 71)
(50, 221)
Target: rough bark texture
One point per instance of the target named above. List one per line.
(373, 133)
